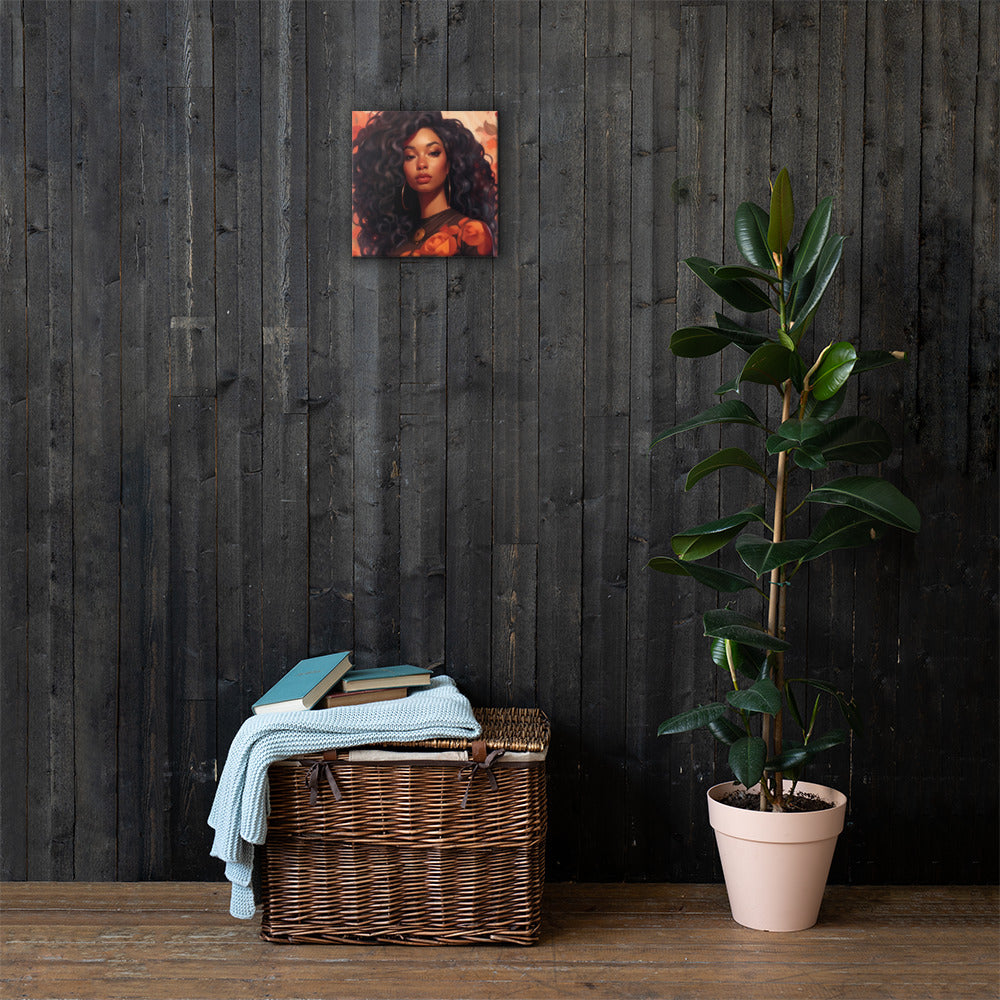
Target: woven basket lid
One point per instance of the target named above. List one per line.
(524, 730)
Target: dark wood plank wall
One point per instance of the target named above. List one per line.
(227, 445)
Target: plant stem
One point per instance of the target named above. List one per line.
(776, 599)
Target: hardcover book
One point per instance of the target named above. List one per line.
(304, 684)
(338, 698)
(402, 675)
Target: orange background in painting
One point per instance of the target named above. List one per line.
(475, 121)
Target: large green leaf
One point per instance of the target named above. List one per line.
(773, 364)
(748, 661)
(735, 272)
(824, 409)
(782, 215)
(751, 234)
(697, 342)
(761, 555)
(746, 758)
(717, 579)
(858, 440)
(732, 411)
(727, 458)
(704, 539)
(725, 731)
(834, 738)
(794, 756)
(794, 432)
(694, 718)
(809, 457)
(763, 697)
(829, 258)
(724, 623)
(813, 237)
(702, 341)
(841, 528)
(834, 370)
(741, 294)
(872, 496)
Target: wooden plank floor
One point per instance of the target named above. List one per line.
(113, 941)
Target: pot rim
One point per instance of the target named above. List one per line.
(787, 828)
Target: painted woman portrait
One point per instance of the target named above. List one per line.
(424, 185)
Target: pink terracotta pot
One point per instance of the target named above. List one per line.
(776, 864)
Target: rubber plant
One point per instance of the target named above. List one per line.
(790, 282)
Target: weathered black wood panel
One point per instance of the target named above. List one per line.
(226, 444)
(146, 656)
(14, 734)
(96, 435)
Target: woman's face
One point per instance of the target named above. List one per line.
(425, 162)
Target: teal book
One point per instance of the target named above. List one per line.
(304, 684)
(403, 675)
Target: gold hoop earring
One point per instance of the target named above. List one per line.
(402, 194)
(447, 193)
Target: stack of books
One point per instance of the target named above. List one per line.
(330, 681)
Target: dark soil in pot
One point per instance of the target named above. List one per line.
(797, 803)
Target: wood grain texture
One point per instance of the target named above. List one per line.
(226, 444)
(560, 415)
(96, 435)
(14, 582)
(469, 472)
(330, 34)
(146, 652)
(622, 941)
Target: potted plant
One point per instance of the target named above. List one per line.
(768, 719)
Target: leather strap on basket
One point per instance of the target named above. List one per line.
(477, 765)
(312, 781)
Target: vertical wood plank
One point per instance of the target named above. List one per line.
(193, 511)
(96, 312)
(468, 567)
(560, 415)
(655, 31)
(939, 454)
(423, 351)
(48, 149)
(146, 655)
(285, 346)
(330, 33)
(14, 734)
(239, 360)
(375, 386)
(193, 625)
(515, 361)
(605, 450)
(699, 192)
(983, 416)
(890, 294)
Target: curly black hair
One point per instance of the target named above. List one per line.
(385, 218)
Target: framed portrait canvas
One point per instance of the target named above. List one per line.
(424, 184)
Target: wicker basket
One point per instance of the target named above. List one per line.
(414, 851)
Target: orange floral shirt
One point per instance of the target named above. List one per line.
(450, 234)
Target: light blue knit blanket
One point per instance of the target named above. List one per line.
(239, 812)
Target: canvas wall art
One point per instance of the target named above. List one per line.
(424, 184)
